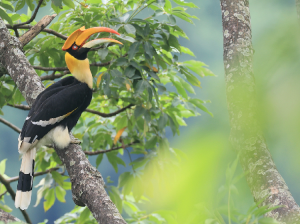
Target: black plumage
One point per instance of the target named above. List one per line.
(65, 96)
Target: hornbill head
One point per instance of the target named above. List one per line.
(76, 49)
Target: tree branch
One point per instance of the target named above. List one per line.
(54, 76)
(109, 150)
(87, 182)
(20, 106)
(15, 128)
(36, 29)
(32, 17)
(110, 114)
(98, 64)
(7, 218)
(246, 136)
(35, 174)
(44, 30)
(13, 196)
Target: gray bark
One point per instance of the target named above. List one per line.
(7, 218)
(246, 136)
(87, 183)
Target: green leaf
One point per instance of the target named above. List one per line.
(187, 51)
(99, 159)
(50, 199)
(121, 61)
(189, 4)
(130, 28)
(129, 71)
(141, 86)
(2, 166)
(176, 82)
(139, 110)
(57, 3)
(60, 194)
(195, 66)
(20, 4)
(123, 179)
(153, 75)
(168, 6)
(4, 15)
(115, 197)
(199, 103)
(5, 208)
(30, 4)
(7, 5)
(114, 160)
(162, 122)
(69, 3)
(134, 48)
(172, 20)
(84, 216)
(58, 178)
(173, 41)
(149, 49)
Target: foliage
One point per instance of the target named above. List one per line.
(145, 71)
(225, 208)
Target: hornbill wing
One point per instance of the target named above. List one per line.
(54, 88)
(54, 110)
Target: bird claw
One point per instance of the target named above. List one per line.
(75, 141)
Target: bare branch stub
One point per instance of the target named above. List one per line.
(36, 29)
(246, 135)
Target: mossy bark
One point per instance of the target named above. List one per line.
(246, 136)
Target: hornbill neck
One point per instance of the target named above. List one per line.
(80, 69)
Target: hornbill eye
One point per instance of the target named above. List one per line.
(74, 47)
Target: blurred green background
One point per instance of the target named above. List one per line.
(275, 32)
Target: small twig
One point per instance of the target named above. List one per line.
(54, 76)
(13, 196)
(110, 114)
(44, 30)
(130, 159)
(109, 150)
(15, 128)
(1, 195)
(26, 107)
(32, 17)
(17, 32)
(35, 174)
(98, 64)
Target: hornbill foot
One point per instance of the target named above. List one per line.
(75, 141)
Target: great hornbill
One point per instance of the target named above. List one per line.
(57, 109)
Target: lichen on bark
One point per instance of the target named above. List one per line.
(246, 136)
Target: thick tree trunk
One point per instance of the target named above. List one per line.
(263, 178)
(87, 183)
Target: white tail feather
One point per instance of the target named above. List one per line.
(23, 198)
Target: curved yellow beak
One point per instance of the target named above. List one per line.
(80, 36)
